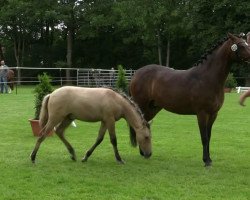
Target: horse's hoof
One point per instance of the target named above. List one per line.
(208, 164)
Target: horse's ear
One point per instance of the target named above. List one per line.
(232, 37)
(248, 37)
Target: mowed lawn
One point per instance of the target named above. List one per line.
(175, 170)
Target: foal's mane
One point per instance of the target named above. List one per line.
(215, 46)
(131, 102)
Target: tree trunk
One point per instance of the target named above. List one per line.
(159, 48)
(1, 53)
(69, 53)
(168, 53)
(16, 51)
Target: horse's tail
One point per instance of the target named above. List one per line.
(132, 136)
(243, 97)
(43, 117)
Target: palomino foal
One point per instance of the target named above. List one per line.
(68, 103)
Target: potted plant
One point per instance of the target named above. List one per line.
(42, 89)
(230, 83)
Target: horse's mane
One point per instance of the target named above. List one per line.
(215, 46)
(131, 102)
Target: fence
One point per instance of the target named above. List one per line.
(77, 76)
(100, 77)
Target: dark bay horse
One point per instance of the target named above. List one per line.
(10, 78)
(196, 91)
(65, 104)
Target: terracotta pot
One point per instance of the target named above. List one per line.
(227, 90)
(36, 128)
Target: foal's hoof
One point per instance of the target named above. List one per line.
(32, 158)
(84, 159)
(73, 158)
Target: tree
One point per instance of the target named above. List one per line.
(13, 21)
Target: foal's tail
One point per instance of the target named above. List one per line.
(132, 135)
(43, 117)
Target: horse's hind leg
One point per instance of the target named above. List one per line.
(99, 139)
(60, 133)
(45, 131)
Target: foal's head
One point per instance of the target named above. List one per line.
(240, 47)
(143, 137)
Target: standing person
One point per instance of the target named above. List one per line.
(3, 77)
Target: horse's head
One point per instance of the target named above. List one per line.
(240, 48)
(143, 137)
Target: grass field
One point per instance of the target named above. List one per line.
(175, 170)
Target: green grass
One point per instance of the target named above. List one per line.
(175, 170)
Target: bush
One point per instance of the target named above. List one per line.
(121, 83)
(41, 90)
(230, 81)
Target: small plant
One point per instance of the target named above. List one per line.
(121, 83)
(230, 81)
(41, 90)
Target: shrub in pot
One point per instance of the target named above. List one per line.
(43, 88)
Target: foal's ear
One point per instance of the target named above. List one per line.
(150, 122)
(232, 37)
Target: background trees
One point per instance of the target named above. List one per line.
(106, 33)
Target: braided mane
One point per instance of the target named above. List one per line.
(209, 51)
(215, 46)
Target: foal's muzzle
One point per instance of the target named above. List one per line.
(145, 155)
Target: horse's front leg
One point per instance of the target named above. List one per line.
(113, 140)
(99, 139)
(205, 125)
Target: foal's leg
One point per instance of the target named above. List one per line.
(99, 139)
(203, 119)
(113, 140)
(45, 131)
(60, 133)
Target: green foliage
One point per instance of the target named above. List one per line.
(41, 90)
(230, 81)
(122, 82)
(107, 33)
